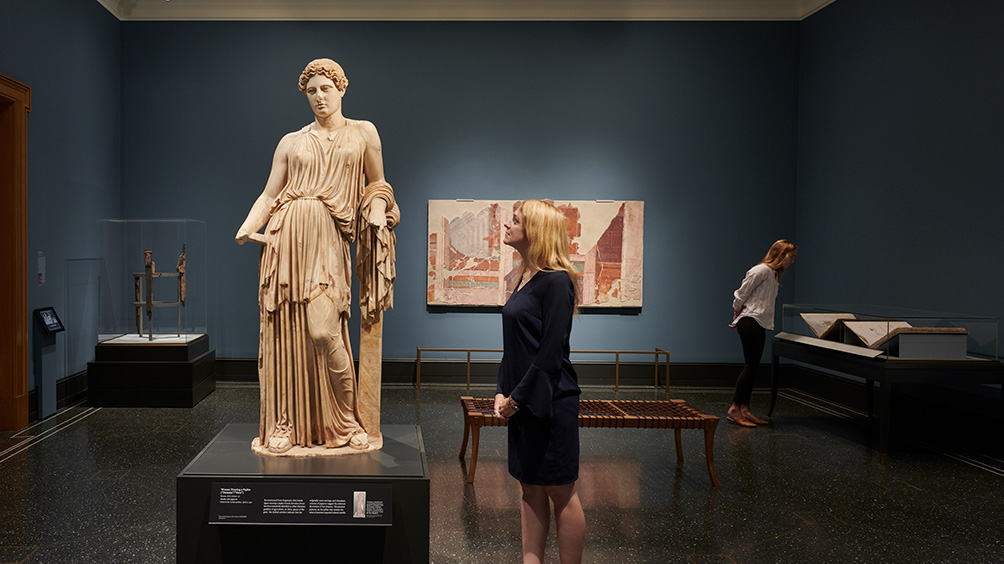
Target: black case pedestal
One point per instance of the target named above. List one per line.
(151, 375)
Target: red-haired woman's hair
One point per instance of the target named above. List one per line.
(780, 250)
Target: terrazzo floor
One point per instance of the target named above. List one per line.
(98, 484)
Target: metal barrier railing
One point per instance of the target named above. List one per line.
(657, 354)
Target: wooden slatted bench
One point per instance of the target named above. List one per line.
(644, 414)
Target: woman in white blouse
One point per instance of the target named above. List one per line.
(753, 316)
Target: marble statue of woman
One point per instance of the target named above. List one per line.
(326, 190)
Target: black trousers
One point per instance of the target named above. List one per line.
(753, 337)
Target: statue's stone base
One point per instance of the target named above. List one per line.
(375, 443)
(399, 464)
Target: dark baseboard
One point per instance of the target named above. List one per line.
(69, 391)
(245, 370)
(983, 400)
(483, 372)
(236, 370)
(590, 373)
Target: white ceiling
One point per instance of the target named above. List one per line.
(447, 10)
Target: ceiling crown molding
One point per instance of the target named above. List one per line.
(464, 10)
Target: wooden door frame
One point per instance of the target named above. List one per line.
(15, 103)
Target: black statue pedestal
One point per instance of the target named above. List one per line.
(238, 506)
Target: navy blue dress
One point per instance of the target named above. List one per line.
(537, 373)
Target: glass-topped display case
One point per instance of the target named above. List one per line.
(893, 332)
(153, 289)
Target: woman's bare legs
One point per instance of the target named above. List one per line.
(536, 519)
(570, 522)
(535, 511)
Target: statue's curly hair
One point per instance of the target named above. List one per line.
(324, 67)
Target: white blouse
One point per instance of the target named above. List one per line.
(757, 294)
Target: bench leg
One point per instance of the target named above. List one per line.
(475, 433)
(679, 446)
(463, 445)
(709, 452)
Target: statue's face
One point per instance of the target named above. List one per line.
(325, 100)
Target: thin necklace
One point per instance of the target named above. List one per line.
(523, 279)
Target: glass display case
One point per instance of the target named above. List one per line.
(891, 332)
(153, 285)
(83, 281)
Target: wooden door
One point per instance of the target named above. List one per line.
(15, 103)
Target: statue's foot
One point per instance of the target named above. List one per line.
(279, 445)
(360, 441)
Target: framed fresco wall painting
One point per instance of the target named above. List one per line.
(468, 265)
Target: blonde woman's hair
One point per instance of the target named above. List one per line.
(546, 230)
(777, 253)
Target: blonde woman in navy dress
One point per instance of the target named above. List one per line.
(753, 316)
(538, 390)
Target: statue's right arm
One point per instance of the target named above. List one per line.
(259, 214)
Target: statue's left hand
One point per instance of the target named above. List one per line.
(378, 213)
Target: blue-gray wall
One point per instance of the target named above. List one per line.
(869, 133)
(696, 119)
(901, 155)
(67, 51)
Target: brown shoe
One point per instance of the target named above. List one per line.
(741, 421)
(754, 419)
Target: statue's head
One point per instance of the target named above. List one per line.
(324, 67)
